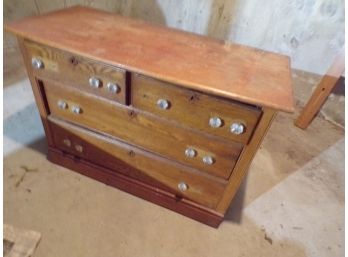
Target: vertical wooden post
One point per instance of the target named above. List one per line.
(321, 93)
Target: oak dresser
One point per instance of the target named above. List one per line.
(172, 117)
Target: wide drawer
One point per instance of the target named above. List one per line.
(210, 114)
(79, 72)
(115, 155)
(143, 130)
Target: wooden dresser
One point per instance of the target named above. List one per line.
(172, 117)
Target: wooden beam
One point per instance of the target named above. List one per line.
(322, 92)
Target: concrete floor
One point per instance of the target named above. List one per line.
(290, 204)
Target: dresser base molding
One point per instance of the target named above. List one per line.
(137, 188)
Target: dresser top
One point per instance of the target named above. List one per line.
(192, 61)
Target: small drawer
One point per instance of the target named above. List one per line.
(216, 157)
(116, 155)
(77, 71)
(199, 111)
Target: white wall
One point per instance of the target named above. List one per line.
(310, 31)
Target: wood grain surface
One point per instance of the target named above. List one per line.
(146, 131)
(245, 159)
(192, 61)
(199, 76)
(136, 187)
(192, 108)
(76, 71)
(106, 152)
(38, 91)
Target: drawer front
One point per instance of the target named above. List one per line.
(146, 131)
(110, 153)
(197, 110)
(85, 74)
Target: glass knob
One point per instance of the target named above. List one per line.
(237, 128)
(76, 109)
(215, 122)
(37, 63)
(208, 160)
(163, 104)
(62, 104)
(190, 152)
(113, 88)
(79, 148)
(95, 82)
(67, 142)
(182, 186)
